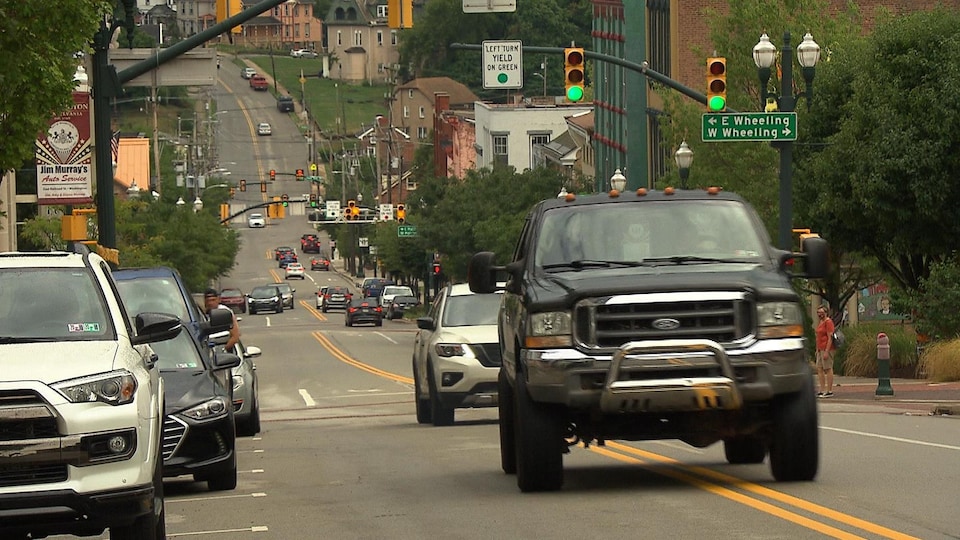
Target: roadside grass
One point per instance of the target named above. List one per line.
(328, 100)
(858, 358)
(940, 361)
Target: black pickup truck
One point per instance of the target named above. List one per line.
(652, 315)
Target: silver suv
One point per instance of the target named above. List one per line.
(82, 402)
(456, 355)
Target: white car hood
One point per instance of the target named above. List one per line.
(468, 334)
(55, 362)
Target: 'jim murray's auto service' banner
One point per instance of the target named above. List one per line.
(65, 156)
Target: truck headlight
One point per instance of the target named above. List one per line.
(779, 320)
(550, 329)
(115, 388)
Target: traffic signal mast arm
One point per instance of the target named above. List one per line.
(642, 69)
(252, 207)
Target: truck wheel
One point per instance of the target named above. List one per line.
(508, 424)
(152, 526)
(441, 416)
(795, 444)
(539, 443)
(422, 404)
(743, 450)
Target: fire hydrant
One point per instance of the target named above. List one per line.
(883, 366)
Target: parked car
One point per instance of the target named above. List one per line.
(303, 53)
(256, 221)
(199, 434)
(389, 291)
(399, 305)
(374, 286)
(234, 299)
(285, 104)
(81, 418)
(286, 292)
(293, 270)
(320, 263)
(246, 397)
(267, 297)
(247, 72)
(336, 297)
(263, 128)
(459, 337)
(280, 251)
(363, 311)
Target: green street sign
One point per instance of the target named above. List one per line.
(406, 231)
(735, 127)
(314, 178)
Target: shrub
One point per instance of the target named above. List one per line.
(859, 357)
(940, 361)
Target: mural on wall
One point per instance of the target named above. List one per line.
(874, 304)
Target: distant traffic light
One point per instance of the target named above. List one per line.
(351, 212)
(716, 84)
(401, 214)
(243, 185)
(273, 175)
(299, 175)
(436, 269)
(574, 70)
(233, 192)
(314, 202)
(285, 199)
(263, 186)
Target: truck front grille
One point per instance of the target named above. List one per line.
(609, 322)
(25, 415)
(25, 475)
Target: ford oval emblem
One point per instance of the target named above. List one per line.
(666, 324)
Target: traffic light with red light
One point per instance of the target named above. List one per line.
(574, 73)
(716, 84)
(285, 199)
(401, 214)
(273, 175)
(436, 269)
(243, 185)
(299, 175)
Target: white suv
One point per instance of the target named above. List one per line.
(456, 355)
(82, 402)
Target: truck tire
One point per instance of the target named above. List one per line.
(441, 416)
(795, 441)
(744, 450)
(508, 424)
(151, 526)
(539, 443)
(422, 404)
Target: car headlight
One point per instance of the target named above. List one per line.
(115, 388)
(779, 319)
(207, 410)
(550, 329)
(447, 350)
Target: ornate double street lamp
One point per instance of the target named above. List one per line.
(618, 181)
(764, 56)
(684, 157)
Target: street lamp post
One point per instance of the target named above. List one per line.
(684, 157)
(618, 181)
(197, 205)
(764, 56)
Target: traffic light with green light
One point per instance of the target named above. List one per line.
(716, 84)
(574, 73)
(285, 199)
(401, 214)
(314, 202)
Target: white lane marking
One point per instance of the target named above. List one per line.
(268, 320)
(306, 398)
(255, 528)
(366, 393)
(895, 439)
(195, 499)
(386, 337)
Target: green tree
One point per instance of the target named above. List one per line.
(882, 179)
(37, 66)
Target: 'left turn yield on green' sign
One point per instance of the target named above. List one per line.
(503, 64)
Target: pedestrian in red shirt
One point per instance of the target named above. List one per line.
(825, 350)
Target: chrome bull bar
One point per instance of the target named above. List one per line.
(655, 394)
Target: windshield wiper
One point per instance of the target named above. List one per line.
(9, 339)
(586, 263)
(684, 259)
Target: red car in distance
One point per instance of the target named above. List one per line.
(234, 299)
(320, 263)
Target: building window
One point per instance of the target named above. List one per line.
(423, 112)
(406, 111)
(410, 94)
(379, 38)
(500, 149)
(393, 37)
(382, 12)
(306, 29)
(421, 132)
(339, 38)
(537, 139)
(358, 39)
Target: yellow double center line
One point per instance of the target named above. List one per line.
(345, 358)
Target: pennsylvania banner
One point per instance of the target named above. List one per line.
(65, 157)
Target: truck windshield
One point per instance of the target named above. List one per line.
(647, 233)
